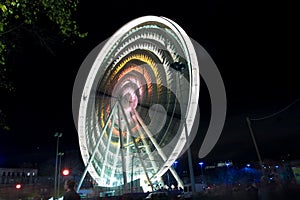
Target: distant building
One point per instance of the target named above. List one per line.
(18, 175)
(219, 164)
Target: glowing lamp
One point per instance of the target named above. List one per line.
(18, 186)
(66, 172)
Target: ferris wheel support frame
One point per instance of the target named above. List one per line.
(157, 147)
(96, 147)
(148, 133)
(91, 158)
(135, 145)
(121, 150)
(190, 159)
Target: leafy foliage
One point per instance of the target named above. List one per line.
(19, 17)
(39, 19)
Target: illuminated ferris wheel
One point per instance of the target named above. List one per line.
(138, 103)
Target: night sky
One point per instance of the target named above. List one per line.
(254, 45)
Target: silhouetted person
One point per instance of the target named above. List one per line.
(70, 194)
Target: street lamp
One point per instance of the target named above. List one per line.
(60, 154)
(254, 141)
(58, 135)
(180, 68)
(227, 164)
(175, 163)
(66, 172)
(201, 164)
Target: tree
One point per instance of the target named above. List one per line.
(39, 19)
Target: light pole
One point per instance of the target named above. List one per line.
(180, 68)
(254, 142)
(58, 135)
(263, 118)
(201, 163)
(59, 168)
(132, 173)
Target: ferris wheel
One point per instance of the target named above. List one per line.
(138, 103)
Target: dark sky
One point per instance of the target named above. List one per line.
(254, 45)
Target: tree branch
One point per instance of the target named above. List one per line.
(12, 29)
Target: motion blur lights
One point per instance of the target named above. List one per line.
(136, 70)
(139, 93)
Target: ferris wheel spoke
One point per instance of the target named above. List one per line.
(122, 148)
(150, 136)
(135, 144)
(108, 145)
(114, 167)
(147, 147)
(157, 147)
(91, 158)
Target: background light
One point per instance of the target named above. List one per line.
(66, 172)
(18, 186)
